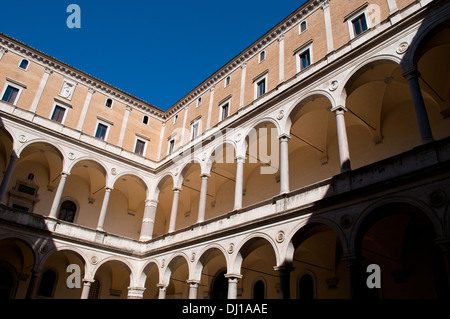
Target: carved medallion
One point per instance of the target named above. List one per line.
(280, 236)
(402, 47)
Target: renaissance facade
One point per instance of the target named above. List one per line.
(321, 149)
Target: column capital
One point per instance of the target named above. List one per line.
(176, 189)
(411, 74)
(205, 175)
(108, 189)
(13, 157)
(284, 136)
(233, 276)
(339, 108)
(240, 158)
(284, 268)
(162, 286)
(193, 282)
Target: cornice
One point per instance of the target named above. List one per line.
(90, 81)
(272, 35)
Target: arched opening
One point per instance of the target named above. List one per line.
(431, 61)
(114, 277)
(8, 281)
(67, 211)
(94, 291)
(306, 287)
(190, 195)
(313, 148)
(259, 290)
(47, 284)
(86, 186)
(163, 210)
(262, 164)
(57, 263)
(380, 119)
(219, 286)
(35, 173)
(179, 272)
(258, 261)
(151, 281)
(318, 251)
(221, 184)
(6, 149)
(399, 238)
(126, 206)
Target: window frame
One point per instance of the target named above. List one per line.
(175, 119)
(299, 60)
(221, 106)
(353, 17)
(145, 116)
(144, 148)
(262, 56)
(199, 101)
(171, 149)
(256, 85)
(75, 214)
(227, 81)
(20, 63)
(108, 127)
(55, 105)
(300, 27)
(112, 103)
(15, 86)
(197, 122)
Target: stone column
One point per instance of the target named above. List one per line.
(353, 265)
(86, 288)
(32, 286)
(173, 213)
(239, 182)
(101, 220)
(7, 177)
(203, 196)
(58, 195)
(193, 288)
(284, 164)
(40, 90)
(344, 153)
(420, 111)
(233, 281)
(285, 281)
(135, 293)
(162, 291)
(148, 221)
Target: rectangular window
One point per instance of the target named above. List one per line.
(175, 119)
(195, 128)
(171, 146)
(303, 26)
(359, 24)
(101, 131)
(224, 109)
(58, 114)
(305, 59)
(261, 88)
(139, 148)
(10, 94)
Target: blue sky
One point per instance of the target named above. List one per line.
(157, 51)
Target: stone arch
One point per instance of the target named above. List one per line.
(204, 258)
(143, 272)
(90, 159)
(210, 157)
(137, 176)
(160, 182)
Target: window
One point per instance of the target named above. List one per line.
(303, 26)
(262, 56)
(306, 287)
(109, 103)
(140, 147)
(359, 24)
(24, 64)
(195, 128)
(175, 119)
(303, 59)
(101, 131)
(199, 101)
(94, 291)
(260, 87)
(171, 146)
(259, 290)
(58, 113)
(224, 109)
(48, 283)
(227, 81)
(145, 119)
(11, 94)
(67, 211)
